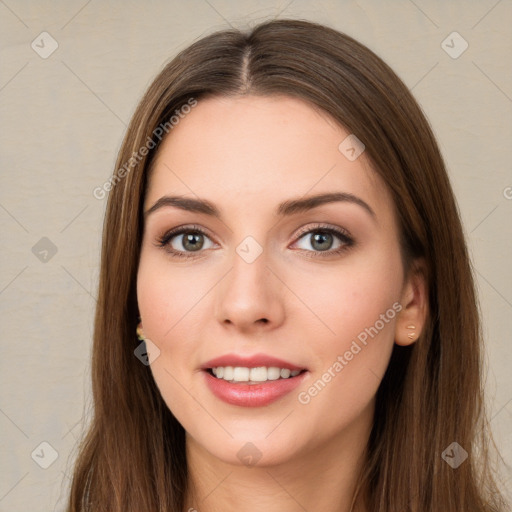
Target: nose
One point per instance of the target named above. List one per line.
(250, 297)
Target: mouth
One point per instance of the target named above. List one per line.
(252, 376)
(251, 381)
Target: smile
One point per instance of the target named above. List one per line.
(252, 375)
(254, 380)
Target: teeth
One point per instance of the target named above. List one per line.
(259, 374)
(241, 374)
(273, 373)
(228, 373)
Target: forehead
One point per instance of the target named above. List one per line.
(253, 152)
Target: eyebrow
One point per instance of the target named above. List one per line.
(286, 208)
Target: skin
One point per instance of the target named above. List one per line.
(247, 155)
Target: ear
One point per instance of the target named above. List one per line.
(414, 300)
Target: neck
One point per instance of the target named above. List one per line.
(321, 477)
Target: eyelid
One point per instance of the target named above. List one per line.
(322, 226)
(164, 239)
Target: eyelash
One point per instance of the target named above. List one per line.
(342, 235)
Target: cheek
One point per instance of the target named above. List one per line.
(358, 307)
(168, 296)
(343, 302)
(170, 301)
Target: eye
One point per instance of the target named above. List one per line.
(324, 240)
(321, 240)
(185, 239)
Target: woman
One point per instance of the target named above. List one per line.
(282, 236)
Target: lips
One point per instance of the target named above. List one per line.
(233, 385)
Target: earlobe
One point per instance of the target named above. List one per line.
(411, 319)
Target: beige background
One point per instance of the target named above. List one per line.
(63, 119)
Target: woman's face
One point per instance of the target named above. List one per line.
(260, 275)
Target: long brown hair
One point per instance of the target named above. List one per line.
(132, 458)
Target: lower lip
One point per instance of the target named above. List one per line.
(252, 395)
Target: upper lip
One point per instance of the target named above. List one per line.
(253, 361)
